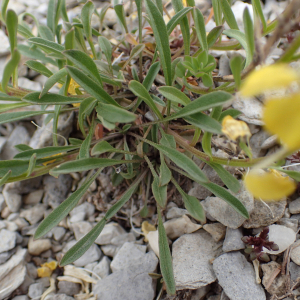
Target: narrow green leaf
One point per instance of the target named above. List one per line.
(174, 95)
(162, 39)
(217, 12)
(151, 74)
(257, 8)
(25, 32)
(192, 204)
(181, 161)
(228, 15)
(63, 209)
(240, 36)
(119, 9)
(50, 99)
(139, 90)
(23, 147)
(90, 86)
(9, 106)
(85, 164)
(32, 163)
(159, 192)
(167, 140)
(206, 140)
(226, 196)
(85, 63)
(205, 123)
(114, 113)
(102, 147)
(52, 80)
(46, 33)
(19, 115)
(213, 35)
(164, 172)
(160, 6)
(35, 54)
(128, 157)
(84, 151)
(17, 167)
(249, 32)
(236, 66)
(165, 258)
(85, 109)
(200, 28)
(47, 45)
(12, 27)
(10, 68)
(70, 39)
(51, 15)
(180, 17)
(46, 152)
(202, 103)
(106, 47)
(4, 5)
(4, 179)
(38, 67)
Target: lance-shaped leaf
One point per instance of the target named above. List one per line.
(213, 35)
(236, 66)
(202, 103)
(31, 165)
(159, 192)
(192, 204)
(164, 172)
(63, 209)
(200, 28)
(50, 99)
(106, 47)
(90, 86)
(4, 179)
(228, 15)
(174, 95)
(114, 113)
(119, 9)
(165, 258)
(162, 39)
(19, 115)
(47, 45)
(84, 151)
(12, 27)
(249, 32)
(7, 107)
(85, 109)
(85, 164)
(38, 67)
(51, 15)
(52, 80)
(258, 9)
(134, 52)
(139, 90)
(10, 68)
(17, 167)
(85, 63)
(103, 147)
(86, 16)
(46, 33)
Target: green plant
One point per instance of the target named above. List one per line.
(108, 94)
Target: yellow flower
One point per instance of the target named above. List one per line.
(269, 77)
(47, 269)
(269, 186)
(234, 129)
(281, 117)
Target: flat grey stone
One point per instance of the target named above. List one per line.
(94, 253)
(261, 215)
(58, 232)
(81, 212)
(34, 214)
(130, 283)
(289, 222)
(8, 240)
(35, 290)
(102, 269)
(36, 247)
(237, 277)
(18, 136)
(224, 67)
(56, 189)
(110, 231)
(295, 252)
(175, 212)
(226, 214)
(12, 198)
(216, 230)
(233, 240)
(34, 197)
(294, 206)
(80, 229)
(59, 297)
(21, 297)
(5, 256)
(127, 257)
(191, 260)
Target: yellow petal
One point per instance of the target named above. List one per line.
(52, 265)
(44, 272)
(269, 77)
(269, 186)
(281, 117)
(146, 228)
(235, 129)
